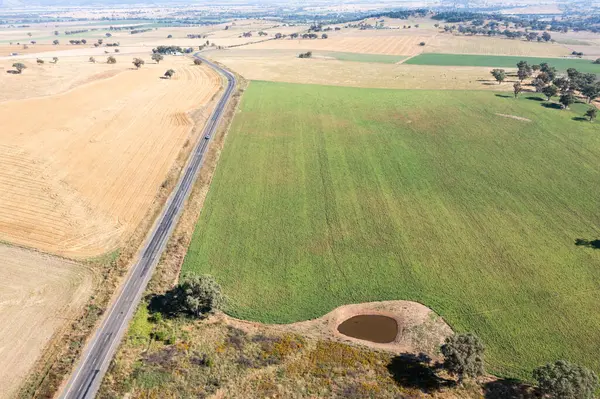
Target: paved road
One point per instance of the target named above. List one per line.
(86, 379)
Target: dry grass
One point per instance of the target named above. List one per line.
(37, 294)
(80, 176)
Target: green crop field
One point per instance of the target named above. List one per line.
(332, 195)
(357, 57)
(502, 61)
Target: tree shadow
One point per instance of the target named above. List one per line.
(13, 72)
(580, 119)
(582, 242)
(552, 105)
(417, 371)
(503, 95)
(534, 98)
(167, 304)
(507, 389)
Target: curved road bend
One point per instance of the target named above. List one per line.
(85, 380)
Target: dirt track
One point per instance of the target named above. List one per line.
(78, 170)
(37, 294)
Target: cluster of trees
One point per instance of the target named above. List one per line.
(494, 29)
(113, 44)
(314, 36)
(566, 23)
(308, 54)
(464, 358)
(135, 31)
(82, 41)
(550, 83)
(167, 50)
(196, 36)
(111, 60)
(74, 32)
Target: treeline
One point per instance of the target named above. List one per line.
(403, 14)
(74, 32)
(171, 50)
(136, 31)
(564, 25)
(546, 80)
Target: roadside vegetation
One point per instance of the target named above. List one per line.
(468, 202)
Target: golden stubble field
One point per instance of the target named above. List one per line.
(79, 170)
(285, 66)
(38, 293)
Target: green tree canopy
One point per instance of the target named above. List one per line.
(564, 380)
(463, 355)
(499, 75)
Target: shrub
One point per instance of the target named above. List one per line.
(197, 61)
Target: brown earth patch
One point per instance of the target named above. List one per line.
(519, 118)
(420, 330)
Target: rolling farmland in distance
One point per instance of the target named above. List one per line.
(330, 195)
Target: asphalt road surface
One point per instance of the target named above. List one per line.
(85, 380)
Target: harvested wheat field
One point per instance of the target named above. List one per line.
(285, 66)
(79, 170)
(446, 43)
(37, 294)
(391, 42)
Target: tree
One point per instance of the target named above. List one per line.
(169, 36)
(55, 42)
(590, 91)
(591, 113)
(108, 34)
(111, 60)
(463, 356)
(499, 75)
(169, 74)
(564, 380)
(92, 59)
(546, 36)
(197, 61)
(324, 36)
(40, 61)
(517, 88)
(56, 33)
(83, 41)
(19, 67)
(29, 34)
(138, 62)
(422, 44)
(524, 72)
(200, 295)
(157, 57)
(597, 61)
(567, 99)
(55, 59)
(117, 50)
(550, 91)
(535, 67)
(563, 84)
